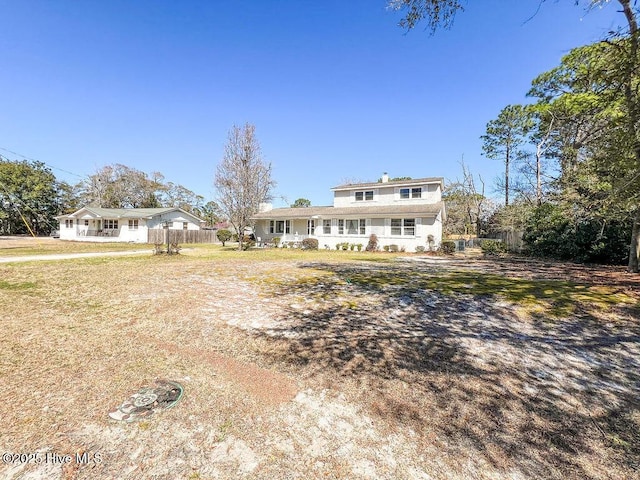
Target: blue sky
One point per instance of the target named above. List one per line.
(335, 89)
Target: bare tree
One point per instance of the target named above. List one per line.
(243, 179)
(467, 207)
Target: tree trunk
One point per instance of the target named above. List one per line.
(631, 99)
(506, 178)
(634, 250)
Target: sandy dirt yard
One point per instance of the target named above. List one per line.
(320, 366)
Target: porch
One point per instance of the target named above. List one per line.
(109, 232)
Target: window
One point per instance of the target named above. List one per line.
(133, 224)
(352, 226)
(86, 223)
(326, 227)
(185, 225)
(311, 227)
(280, 226)
(403, 226)
(111, 224)
(396, 226)
(404, 193)
(365, 195)
(416, 192)
(68, 223)
(409, 226)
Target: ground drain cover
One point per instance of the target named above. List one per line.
(149, 400)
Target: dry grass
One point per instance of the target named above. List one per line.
(22, 246)
(321, 365)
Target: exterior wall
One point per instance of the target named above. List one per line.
(380, 226)
(67, 233)
(89, 233)
(387, 195)
(177, 218)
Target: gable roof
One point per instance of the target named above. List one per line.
(126, 213)
(396, 183)
(428, 210)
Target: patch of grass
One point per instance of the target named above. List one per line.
(553, 298)
(49, 246)
(223, 430)
(230, 252)
(4, 285)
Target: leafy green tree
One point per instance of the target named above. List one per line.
(437, 13)
(505, 139)
(621, 75)
(301, 203)
(224, 236)
(210, 213)
(29, 197)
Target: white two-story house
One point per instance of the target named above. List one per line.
(407, 213)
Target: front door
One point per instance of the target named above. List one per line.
(311, 227)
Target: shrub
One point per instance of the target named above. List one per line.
(403, 248)
(234, 237)
(420, 249)
(492, 247)
(310, 244)
(345, 246)
(247, 242)
(352, 246)
(393, 247)
(386, 248)
(372, 246)
(549, 232)
(276, 241)
(448, 247)
(359, 247)
(224, 236)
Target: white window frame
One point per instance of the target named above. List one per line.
(311, 226)
(364, 194)
(284, 224)
(345, 223)
(326, 227)
(110, 224)
(133, 224)
(404, 227)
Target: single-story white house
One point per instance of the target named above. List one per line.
(93, 224)
(406, 213)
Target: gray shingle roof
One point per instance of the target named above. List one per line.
(428, 210)
(127, 212)
(413, 181)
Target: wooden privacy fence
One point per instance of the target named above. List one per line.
(182, 236)
(512, 239)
